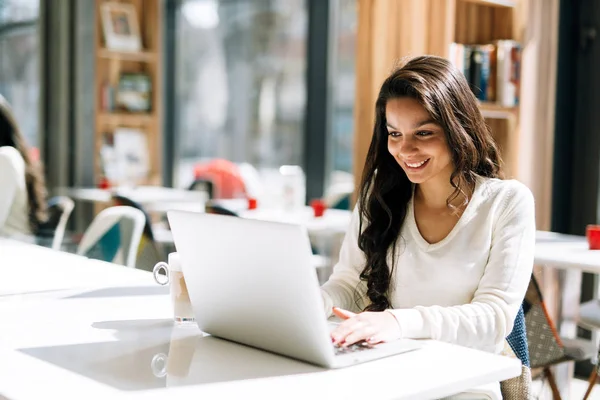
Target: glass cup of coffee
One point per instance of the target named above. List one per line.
(171, 274)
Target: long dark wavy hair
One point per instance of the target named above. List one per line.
(10, 135)
(385, 190)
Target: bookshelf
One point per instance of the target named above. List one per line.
(128, 84)
(389, 30)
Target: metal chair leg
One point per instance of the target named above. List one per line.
(591, 383)
(553, 385)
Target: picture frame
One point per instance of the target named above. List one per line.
(120, 27)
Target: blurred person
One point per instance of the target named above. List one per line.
(440, 247)
(22, 188)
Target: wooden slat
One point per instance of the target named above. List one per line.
(141, 56)
(388, 31)
(539, 22)
(495, 111)
(442, 21)
(479, 24)
(495, 3)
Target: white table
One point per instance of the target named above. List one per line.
(27, 269)
(566, 257)
(567, 252)
(333, 222)
(148, 196)
(101, 342)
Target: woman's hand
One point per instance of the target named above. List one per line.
(372, 327)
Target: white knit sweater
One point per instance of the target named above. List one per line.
(14, 207)
(465, 289)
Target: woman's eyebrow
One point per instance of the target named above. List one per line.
(415, 126)
(424, 122)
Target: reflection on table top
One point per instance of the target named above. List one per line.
(115, 339)
(113, 345)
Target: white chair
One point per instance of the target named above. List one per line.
(114, 235)
(59, 211)
(337, 193)
(66, 205)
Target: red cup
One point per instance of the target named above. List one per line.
(104, 183)
(592, 232)
(252, 203)
(318, 207)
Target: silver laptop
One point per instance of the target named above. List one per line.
(252, 282)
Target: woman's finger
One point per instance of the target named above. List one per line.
(343, 314)
(344, 329)
(363, 333)
(375, 339)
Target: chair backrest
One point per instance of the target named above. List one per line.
(545, 346)
(225, 176)
(59, 211)
(339, 196)
(203, 185)
(211, 208)
(114, 235)
(120, 200)
(148, 253)
(517, 339)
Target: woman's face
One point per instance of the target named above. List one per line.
(417, 143)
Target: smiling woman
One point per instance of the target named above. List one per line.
(439, 246)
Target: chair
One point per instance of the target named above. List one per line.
(516, 346)
(339, 196)
(59, 211)
(225, 176)
(148, 253)
(589, 318)
(203, 185)
(546, 348)
(212, 208)
(114, 235)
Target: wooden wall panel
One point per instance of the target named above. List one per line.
(538, 99)
(476, 23)
(389, 30)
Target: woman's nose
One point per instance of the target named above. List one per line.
(407, 146)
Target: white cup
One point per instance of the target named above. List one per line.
(180, 297)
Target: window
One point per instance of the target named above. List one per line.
(240, 76)
(19, 60)
(343, 87)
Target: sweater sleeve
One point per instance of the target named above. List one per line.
(8, 185)
(488, 319)
(344, 288)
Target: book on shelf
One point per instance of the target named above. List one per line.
(107, 97)
(492, 70)
(134, 92)
(124, 156)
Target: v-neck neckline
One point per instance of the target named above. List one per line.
(464, 218)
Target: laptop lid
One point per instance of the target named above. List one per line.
(252, 282)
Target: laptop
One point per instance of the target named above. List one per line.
(252, 282)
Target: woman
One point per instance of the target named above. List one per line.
(22, 190)
(439, 246)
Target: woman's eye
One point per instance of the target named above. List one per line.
(394, 134)
(424, 133)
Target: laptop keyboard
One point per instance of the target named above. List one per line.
(356, 347)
